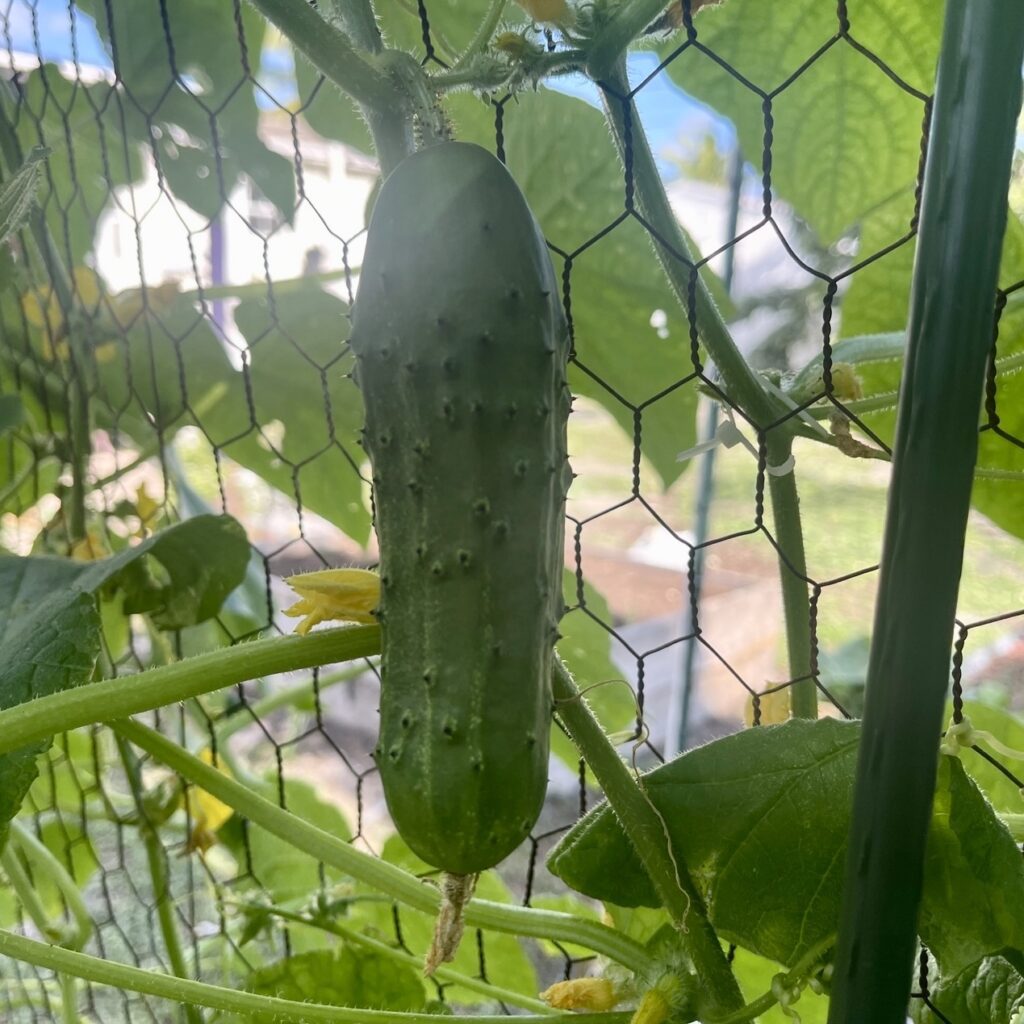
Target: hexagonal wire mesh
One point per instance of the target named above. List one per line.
(210, 239)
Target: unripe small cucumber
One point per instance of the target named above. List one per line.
(461, 348)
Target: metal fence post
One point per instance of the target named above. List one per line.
(963, 218)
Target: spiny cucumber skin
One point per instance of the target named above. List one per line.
(461, 347)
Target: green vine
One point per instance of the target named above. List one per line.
(384, 877)
(645, 827)
(247, 1004)
(111, 698)
(156, 858)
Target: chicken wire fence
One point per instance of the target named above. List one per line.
(210, 239)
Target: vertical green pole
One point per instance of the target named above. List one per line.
(963, 217)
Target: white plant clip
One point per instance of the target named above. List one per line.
(728, 435)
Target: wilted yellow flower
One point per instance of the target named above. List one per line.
(595, 994)
(334, 595)
(775, 707)
(845, 382)
(206, 813)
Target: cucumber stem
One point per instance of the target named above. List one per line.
(610, 44)
(456, 891)
(785, 501)
(645, 828)
(742, 383)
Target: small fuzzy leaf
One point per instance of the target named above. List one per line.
(19, 192)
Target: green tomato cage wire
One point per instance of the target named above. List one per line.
(119, 393)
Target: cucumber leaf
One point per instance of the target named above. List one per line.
(299, 379)
(291, 415)
(50, 637)
(329, 111)
(12, 412)
(18, 193)
(985, 992)
(453, 24)
(761, 819)
(877, 302)
(88, 157)
(845, 135)
(973, 900)
(173, 90)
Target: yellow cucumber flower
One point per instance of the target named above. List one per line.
(334, 595)
(206, 813)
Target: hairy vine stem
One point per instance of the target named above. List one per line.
(626, 24)
(386, 878)
(646, 830)
(121, 696)
(156, 858)
(247, 1005)
(45, 863)
(742, 382)
(360, 75)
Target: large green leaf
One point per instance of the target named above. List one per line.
(845, 136)
(452, 24)
(878, 298)
(275, 418)
(987, 992)
(974, 876)
(12, 412)
(560, 153)
(299, 379)
(197, 97)
(328, 110)
(761, 819)
(50, 634)
(275, 864)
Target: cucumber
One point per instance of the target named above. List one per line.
(461, 348)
